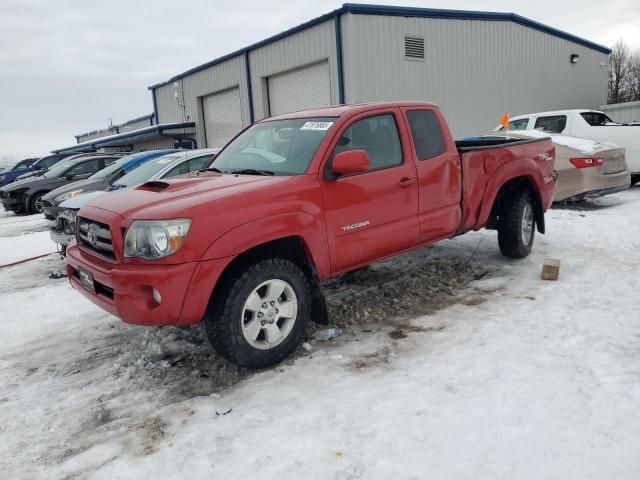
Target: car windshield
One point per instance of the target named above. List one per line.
(59, 168)
(146, 171)
(281, 147)
(20, 165)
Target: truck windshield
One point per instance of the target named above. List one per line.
(281, 147)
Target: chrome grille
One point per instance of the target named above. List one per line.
(95, 237)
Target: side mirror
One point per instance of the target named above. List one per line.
(351, 161)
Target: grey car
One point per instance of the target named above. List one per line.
(25, 196)
(170, 165)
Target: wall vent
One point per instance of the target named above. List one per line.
(414, 48)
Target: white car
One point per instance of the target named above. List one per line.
(589, 124)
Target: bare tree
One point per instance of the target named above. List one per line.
(6, 160)
(618, 72)
(633, 81)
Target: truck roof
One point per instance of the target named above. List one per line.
(555, 112)
(340, 110)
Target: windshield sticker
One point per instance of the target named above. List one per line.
(316, 126)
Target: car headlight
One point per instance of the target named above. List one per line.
(153, 239)
(68, 195)
(2, 177)
(67, 218)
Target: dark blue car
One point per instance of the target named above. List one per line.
(101, 180)
(28, 166)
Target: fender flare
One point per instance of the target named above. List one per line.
(503, 175)
(257, 232)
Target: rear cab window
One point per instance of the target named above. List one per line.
(427, 134)
(551, 124)
(597, 119)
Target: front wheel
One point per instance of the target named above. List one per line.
(260, 313)
(516, 225)
(35, 204)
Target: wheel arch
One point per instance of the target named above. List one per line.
(293, 248)
(523, 182)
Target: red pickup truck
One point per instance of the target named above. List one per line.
(292, 201)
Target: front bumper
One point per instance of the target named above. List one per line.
(125, 290)
(61, 238)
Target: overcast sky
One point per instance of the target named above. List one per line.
(67, 66)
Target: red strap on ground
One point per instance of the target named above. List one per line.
(27, 260)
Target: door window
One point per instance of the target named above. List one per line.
(84, 168)
(427, 134)
(551, 124)
(378, 136)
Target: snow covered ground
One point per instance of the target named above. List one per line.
(509, 377)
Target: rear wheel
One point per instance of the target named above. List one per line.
(635, 179)
(260, 313)
(35, 204)
(516, 225)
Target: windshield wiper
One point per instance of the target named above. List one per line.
(252, 171)
(212, 169)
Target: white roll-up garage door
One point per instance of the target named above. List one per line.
(222, 117)
(301, 89)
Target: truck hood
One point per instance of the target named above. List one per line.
(172, 198)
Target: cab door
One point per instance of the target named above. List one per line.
(439, 174)
(371, 214)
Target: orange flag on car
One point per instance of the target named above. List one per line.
(504, 120)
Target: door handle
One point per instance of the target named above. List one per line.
(406, 182)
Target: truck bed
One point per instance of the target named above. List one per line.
(483, 157)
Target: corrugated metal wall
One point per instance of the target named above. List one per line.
(192, 88)
(130, 126)
(623, 112)
(307, 47)
(475, 70)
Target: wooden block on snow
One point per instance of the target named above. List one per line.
(550, 269)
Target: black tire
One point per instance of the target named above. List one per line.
(35, 203)
(226, 314)
(515, 233)
(635, 179)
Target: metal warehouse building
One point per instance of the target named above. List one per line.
(475, 65)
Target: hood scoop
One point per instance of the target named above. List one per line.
(154, 186)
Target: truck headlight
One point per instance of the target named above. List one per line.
(68, 195)
(153, 239)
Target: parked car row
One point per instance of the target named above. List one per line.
(127, 172)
